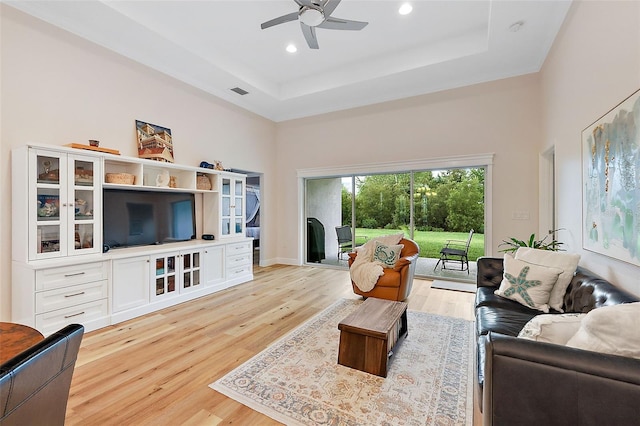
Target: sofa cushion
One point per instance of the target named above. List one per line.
(502, 320)
(528, 283)
(610, 329)
(568, 262)
(387, 255)
(552, 328)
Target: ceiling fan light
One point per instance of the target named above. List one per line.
(311, 16)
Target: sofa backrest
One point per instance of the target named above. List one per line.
(588, 291)
(585, 292)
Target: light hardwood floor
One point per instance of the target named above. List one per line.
(155, 369)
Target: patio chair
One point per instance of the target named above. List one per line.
(345, 240)
(456, 251)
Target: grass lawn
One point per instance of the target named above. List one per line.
(431, 242)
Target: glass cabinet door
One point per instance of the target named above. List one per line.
(232, 206)
(239, 207)
(61, 211)
(191, 270)
(165, 275)
(85, 201)
(225, 198)
(46, 210)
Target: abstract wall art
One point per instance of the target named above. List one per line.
(611, 183)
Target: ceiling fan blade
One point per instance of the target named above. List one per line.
(310, 36)
(342, 24)
(330, 6)
(280, 20)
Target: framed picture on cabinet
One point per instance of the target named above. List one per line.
(154, 142)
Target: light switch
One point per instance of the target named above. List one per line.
(520, 215)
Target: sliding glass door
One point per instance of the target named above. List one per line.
(428, 206)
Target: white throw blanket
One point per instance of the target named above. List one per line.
(364, 271)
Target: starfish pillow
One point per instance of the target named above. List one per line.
(527, 283)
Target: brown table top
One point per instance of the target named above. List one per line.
(375, 317)
(15, 338)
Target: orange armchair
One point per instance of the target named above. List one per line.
(396, 282)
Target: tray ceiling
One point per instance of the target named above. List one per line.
(218, 45)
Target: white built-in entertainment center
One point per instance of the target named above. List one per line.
(63, 269)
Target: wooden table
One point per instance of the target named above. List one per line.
(368, 335)
(15, 338)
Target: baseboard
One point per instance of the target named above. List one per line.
(285, 261)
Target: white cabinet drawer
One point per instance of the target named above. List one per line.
(50, 322)
(238, 260)
(59, 298)
(65, 276)
(238, 248)
(238, 271)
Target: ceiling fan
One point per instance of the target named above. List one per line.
(314, 14)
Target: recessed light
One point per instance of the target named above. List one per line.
(405, 9)
(291, 48)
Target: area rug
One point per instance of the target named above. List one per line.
(297, 380)
(454, 285)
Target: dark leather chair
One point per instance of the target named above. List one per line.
(34, 385)
(396, 282)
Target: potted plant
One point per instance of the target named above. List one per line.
(513, 244)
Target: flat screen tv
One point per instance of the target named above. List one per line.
(133, 218)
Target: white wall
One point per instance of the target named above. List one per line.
(58, 88)
(324, 202)
(501, 117)
(593, 65)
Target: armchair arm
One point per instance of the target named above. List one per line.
(534, 383)
(405, 261)
(402, 262)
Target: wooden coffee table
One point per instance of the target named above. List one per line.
(368, 335)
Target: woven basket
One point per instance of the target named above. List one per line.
(203, 182)
(120, 178)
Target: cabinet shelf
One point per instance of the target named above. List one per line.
(155, 176)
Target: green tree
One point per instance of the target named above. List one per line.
(346, 207)
(378, 198)
(450, 200)
(465, 206)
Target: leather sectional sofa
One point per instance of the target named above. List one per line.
(526, 382)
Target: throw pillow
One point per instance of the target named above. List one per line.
(527, 283)
(387, 255)
(568, 262)
(552, 328)
(610, 329)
